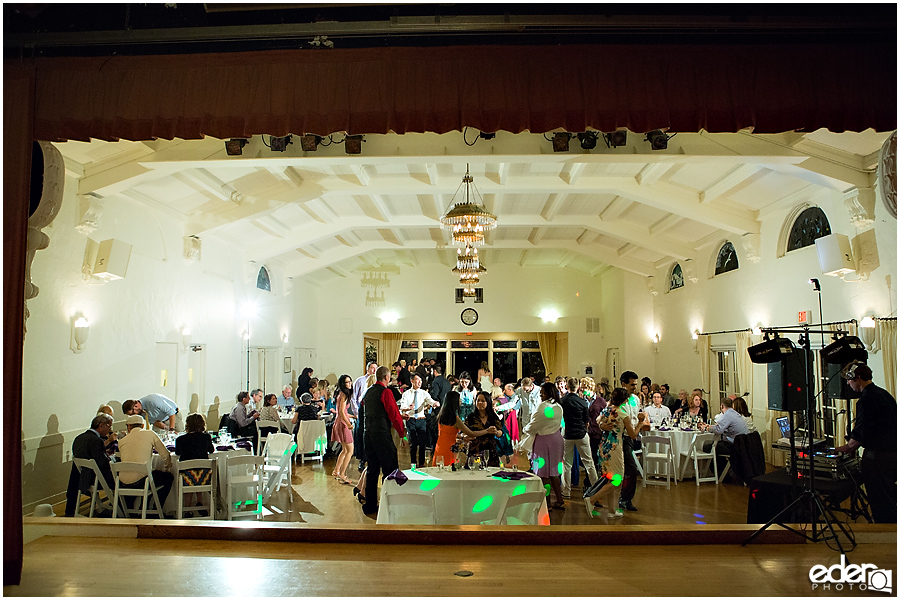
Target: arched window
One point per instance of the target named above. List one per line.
(262, 280)
(727, 259)
(676, 279)
(810, 225)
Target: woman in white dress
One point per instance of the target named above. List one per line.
(484, 377)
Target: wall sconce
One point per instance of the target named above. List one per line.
(695, 335)
(246, 335)
(548, 315)
(757, 330)
(389, 317)
(284, 338)
(654, 342)
(80, 330)
(867, 334)
(186, 338)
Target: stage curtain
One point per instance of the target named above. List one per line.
(390, 344)
(684, 87)
(886, 329)
(547, 342)
(18, 95)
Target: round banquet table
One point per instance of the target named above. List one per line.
(464, 497)
(681, 444)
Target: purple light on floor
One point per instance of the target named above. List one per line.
(699, 516)
(700, 522)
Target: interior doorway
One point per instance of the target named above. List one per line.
(468, 360)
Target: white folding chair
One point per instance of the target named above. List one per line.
(311, 439)
(147, 493)
(658, 453)
(99, 483)
(398, 507)
(243, 486)
(696, 453)
(262, 437)
(534, 501)
(188, 483)
(637, 455)
(276, 446)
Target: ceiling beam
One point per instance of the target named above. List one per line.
(552, 205)
(728, 181)
(651, 173)
(665, 223)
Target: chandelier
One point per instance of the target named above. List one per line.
(468, 220)
(468, 268)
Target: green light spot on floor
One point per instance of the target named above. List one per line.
(560, 466)
(483, 504)
(520, 489)
(429, 484)
(548, 412)
(539, 462)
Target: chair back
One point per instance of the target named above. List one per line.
(700, 440)
(657, 445)
(90, 464)
(277, 444)
(534, 500)
(243, 483)
(263, 436)
(311, 436)
(197, 476)
(145, 493)
(399, 504)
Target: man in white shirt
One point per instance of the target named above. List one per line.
(356, 395)
(657, 411)
(412, 406)
(530, 396)
(629, 381)
(138, 447)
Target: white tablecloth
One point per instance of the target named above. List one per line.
(463, 497)
(681, 442)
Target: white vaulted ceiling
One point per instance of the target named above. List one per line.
(319, 215)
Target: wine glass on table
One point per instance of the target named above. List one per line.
(439, 462)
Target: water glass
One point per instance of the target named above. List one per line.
(515, 465)
(439, 461)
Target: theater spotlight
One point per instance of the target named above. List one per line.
(561, 141)
(279, 144)
(771, 351)
(588, 140)
(658, 139)
(233, 147)
(616, 138)
(845, 350)
(308, 142)
(353, 144)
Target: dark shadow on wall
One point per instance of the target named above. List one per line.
(49, 473)
(194, 404)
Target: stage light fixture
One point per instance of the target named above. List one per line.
(561, 141)
(616, 138)
(308, 142)
(658, 139)
(279, 144)
(847, 349)
(353, 144)
(588, 140)
(233, 147)
(770, 351)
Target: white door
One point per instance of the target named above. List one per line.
(195, 377)
(265, 370)
(167, 369)
(303, 357)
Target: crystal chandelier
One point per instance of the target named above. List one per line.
(468, 220)
(468, 268)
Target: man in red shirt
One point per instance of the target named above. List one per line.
(381, 414)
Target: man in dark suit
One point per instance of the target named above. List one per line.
(438, 391)
(89, 445)
(381, 414)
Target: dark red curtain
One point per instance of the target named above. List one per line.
(716, 88)
(18, 93)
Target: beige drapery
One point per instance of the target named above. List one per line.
(703, 346)
(390, 342)
(547, 342)
(887, 338)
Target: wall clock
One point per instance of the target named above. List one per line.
(469, 316)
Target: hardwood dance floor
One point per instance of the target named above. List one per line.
(317, 498)
(73, 566)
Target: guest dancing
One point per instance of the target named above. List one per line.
(544, 442)
(613, 421)
(449, 425)
(343, 430)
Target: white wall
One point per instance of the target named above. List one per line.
(160, 295)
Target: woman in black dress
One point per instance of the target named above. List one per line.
(481, 419)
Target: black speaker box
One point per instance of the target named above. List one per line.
(787, 381)
(837, 385)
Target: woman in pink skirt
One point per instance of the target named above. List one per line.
(545, 442)
(343, 430)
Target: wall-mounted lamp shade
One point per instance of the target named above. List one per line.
(770, 351)
(867, 333)
(549, 315)
(284, 338)
(845, 350)
(695, 335)
(186, 338)
(80, 330)
(757, 330)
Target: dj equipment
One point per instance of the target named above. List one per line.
(829, 464)
(787, 381)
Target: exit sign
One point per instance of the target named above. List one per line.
(804, 317)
